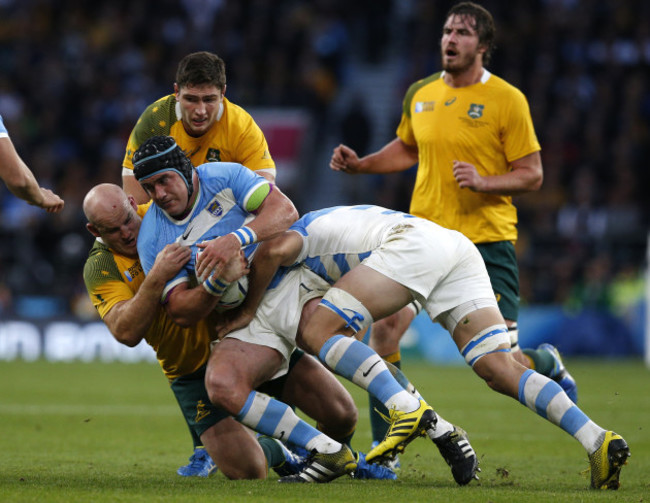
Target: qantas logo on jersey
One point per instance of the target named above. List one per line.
(475, 111)
(424, 106)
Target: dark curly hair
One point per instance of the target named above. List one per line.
(161, 153)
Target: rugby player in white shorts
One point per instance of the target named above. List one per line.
(378, 261)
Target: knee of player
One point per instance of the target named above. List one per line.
(486, 349)
(247, 473)
(311, 340)
(389, 330)
(385, 337)
(250, 471)
(338, 312)
(224, 392)
(492, 379)
(215, 392)
(500, 371)
(344, 412)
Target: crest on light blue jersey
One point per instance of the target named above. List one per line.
(215, 208)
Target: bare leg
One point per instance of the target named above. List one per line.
(387, 333)
(235, 451)
(236, 368)
(499, 370)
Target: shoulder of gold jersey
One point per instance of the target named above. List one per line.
(235, 112)
(142, 208)
(414, 88)
(100, 265)
(156, 120)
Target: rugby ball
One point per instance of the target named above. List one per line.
(234, 294)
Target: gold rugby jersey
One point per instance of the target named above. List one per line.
(234, 137)
(112, 278)
(487, 124)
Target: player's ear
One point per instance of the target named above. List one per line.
(93, 230)
(133, 203)
(176, 90)
(223, 91)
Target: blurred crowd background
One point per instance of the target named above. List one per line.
(75, 76)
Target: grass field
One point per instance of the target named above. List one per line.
(113, 432)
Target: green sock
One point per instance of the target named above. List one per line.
(272, 451)
(543, 360)
(196, 440)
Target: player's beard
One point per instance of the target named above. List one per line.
(462, 63)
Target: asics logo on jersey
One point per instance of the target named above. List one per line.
(449, 102)
(190, 154)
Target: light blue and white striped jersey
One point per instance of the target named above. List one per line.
(3, 130)
(337, 239)
(224, 191)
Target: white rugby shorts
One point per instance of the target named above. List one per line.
(442, 268)
(276, 322)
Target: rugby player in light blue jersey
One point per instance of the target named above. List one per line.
(225, 210)
(221, 211)
(378, 261)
